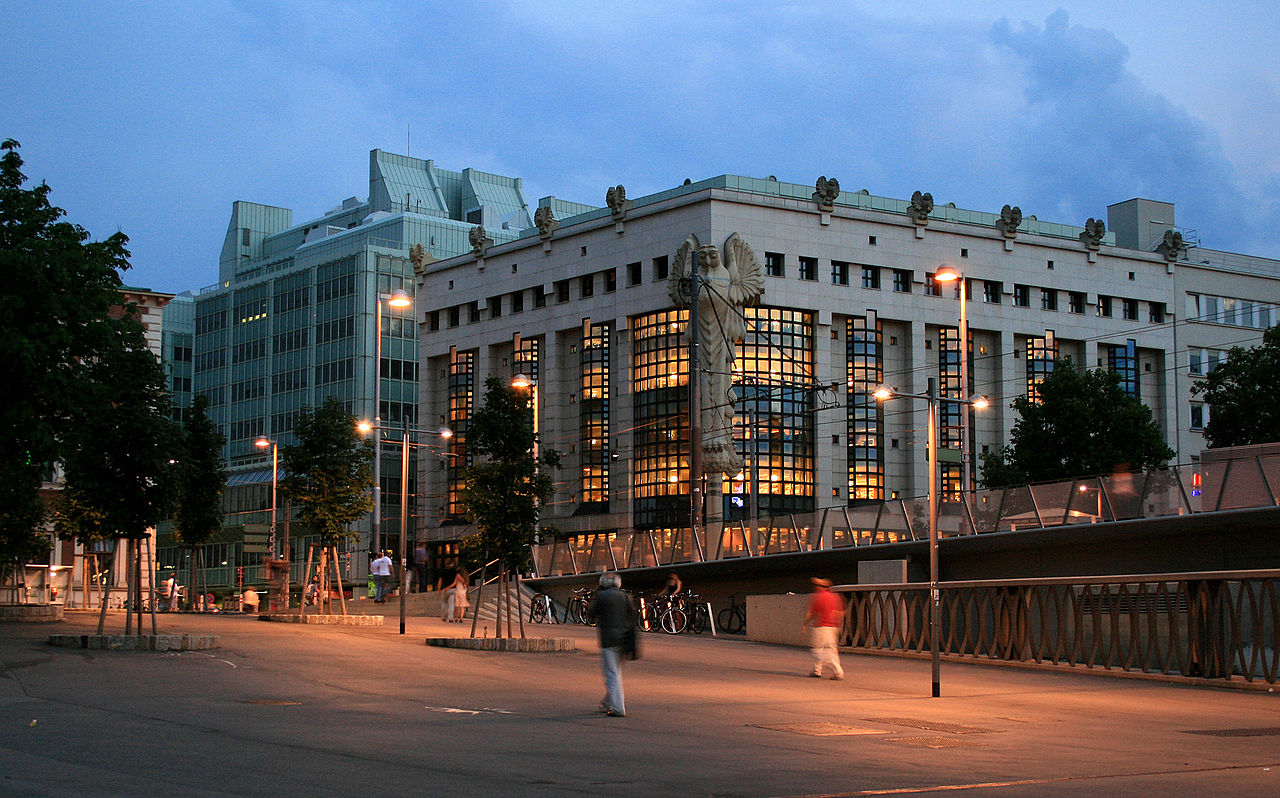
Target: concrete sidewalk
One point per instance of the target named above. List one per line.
(285, 710)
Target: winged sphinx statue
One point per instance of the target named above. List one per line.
(731, 280)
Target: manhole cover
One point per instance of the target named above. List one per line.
(929, 725)
(934, 742)
(821, 729)
(1272, 731)
(271, 702)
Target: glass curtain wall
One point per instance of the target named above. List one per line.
(865, 420)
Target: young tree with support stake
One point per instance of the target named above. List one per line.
(330, 476)
(202, 476)
(506, 485)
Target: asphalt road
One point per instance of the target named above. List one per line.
(289, 710)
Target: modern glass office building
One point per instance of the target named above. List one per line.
(293, 320)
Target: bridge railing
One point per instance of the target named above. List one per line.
(1212, 625)
(1235, 484)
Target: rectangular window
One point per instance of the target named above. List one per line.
(1104, 306)
(1197, 415)
(517, 302)
(433, 320)
(871, 277)
(562, 291)
(660, 268)
(1195, 361)
(495, 307)
(1155, 312)
(539, 298)
(931, 287)
(1048, 299)
(1075, 301)
(808, 268)
(991, 291)
(1022, 296)
(1129, 307)
(455, 314)
(773, 265)
(611, 281)
(1123, 360)
(839, 272)
(902, 281)
(1041, 354)
(633, 273)
(587, 286)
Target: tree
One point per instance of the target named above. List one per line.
(329, 470)
(504, 489)
(1242, 392)
(122, 448)
(1084, 424)
(202, 476)
(54, 320)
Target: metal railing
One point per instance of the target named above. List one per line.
(1212, 625)
(1242, 483)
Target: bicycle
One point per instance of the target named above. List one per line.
(541, 611)
(576, 608)
(699, 615)
(733, 618)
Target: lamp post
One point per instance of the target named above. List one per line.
(884, 393)
(405, 430)
(262, 443)
(525, 382)
(946, 274)
(398, 298)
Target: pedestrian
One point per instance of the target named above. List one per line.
(312, 595)
(420, 557)
(250, 600)
(615, 615)
(460, 601)
(381, 570)
(175, 592)
(167, 588)
(826, 611)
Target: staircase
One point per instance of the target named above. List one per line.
(485, 602)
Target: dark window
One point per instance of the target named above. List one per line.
(871, 277)
(1048, 299)
(455, 313)
(660, 268)
(1075, 301)
(587, 286)
(1104, 306)
(633, 273)
(433, 320)
(931, 287)
(1155, 312)
(562, 291)
(773, 265)
(475, 312)
(839, 272)
(1197, 416)
(539, 298)
(808, 268)
(610, 281)
(902, 281)
(1129, 307)
(495, 307)
(991, 291)
(517, 302)
(1022, 296)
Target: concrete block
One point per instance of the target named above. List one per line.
(777, 619)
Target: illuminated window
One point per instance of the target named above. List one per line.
(1041, 353)
(593, 417)
(865, 419)
(461, 396)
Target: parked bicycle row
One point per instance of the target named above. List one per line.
(670, 612)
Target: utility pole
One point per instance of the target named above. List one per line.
(695, 403)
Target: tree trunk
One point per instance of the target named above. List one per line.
(475, 605)
(519, 606)
(104, 593)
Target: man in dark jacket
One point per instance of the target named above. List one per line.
(615, 615)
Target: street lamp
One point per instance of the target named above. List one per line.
(262, 443)
(884, 393)
(946, 274)
(398, 298)
(524, 382)
(405, 430)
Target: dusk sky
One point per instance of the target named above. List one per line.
(152, 118)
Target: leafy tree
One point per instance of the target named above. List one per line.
(504, 488)
(1242, 395)
(330, 475)
(123, 444)
(58, 289)
(202, 476)
(1083, 424)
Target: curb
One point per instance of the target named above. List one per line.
(325, 620)
(138, 642)
(31, 613)
(539, 645)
